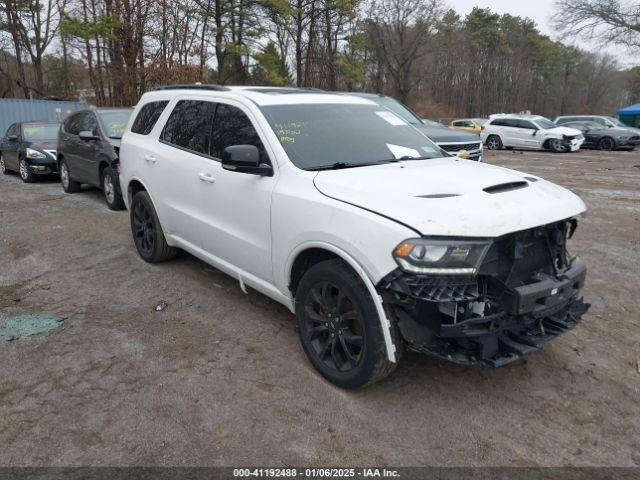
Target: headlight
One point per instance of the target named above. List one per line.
(31, 153)
(440, 257)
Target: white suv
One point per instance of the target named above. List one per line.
(350, 217)
(529, 132)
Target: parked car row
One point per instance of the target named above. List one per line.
(341, 209)
(566, 134)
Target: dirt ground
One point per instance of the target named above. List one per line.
(219, 377)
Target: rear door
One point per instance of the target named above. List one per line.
(508, 132)
(175, 169)
(69, 144)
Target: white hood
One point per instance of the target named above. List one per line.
(570, 132)
(461, 207)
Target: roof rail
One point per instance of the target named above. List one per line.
(192, 86)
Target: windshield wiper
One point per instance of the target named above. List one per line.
(336, 166)
(341, 165)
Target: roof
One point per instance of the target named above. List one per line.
(515, 115)
(261, 95)
(630, 110)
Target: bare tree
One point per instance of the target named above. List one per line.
(615, 21)
(401, 29)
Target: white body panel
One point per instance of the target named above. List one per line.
(526, 138)
(254, 227)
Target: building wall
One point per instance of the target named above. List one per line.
(19, 110)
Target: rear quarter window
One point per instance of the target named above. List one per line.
(148, 116)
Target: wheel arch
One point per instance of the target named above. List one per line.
(134, 186)
(311, 253)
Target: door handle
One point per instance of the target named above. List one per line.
(150, 159)
(206, 177)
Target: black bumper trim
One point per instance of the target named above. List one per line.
(506, 345)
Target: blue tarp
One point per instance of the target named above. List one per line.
(631, 110)
(18, 110)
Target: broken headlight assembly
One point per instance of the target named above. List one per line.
(424, 256)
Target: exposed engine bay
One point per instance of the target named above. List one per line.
(524, 294)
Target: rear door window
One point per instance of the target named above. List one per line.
(525, 124)
(148, 116)
(189, 126)
(232, 127)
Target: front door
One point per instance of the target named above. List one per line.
(87, 151)
(238, 205)
(10, 147)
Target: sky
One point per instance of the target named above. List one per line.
(539, 11)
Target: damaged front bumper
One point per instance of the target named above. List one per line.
(473, 319)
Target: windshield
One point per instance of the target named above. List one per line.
(431, 123)
(40, 131)
(617, 122)
(115, 122)
(545, 124)
(399, 109)
(345, 135)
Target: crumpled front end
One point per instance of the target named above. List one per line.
(525, 294)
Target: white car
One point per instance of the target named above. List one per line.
(351, 218)
(529, 132)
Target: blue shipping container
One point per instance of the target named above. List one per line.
(18, 110)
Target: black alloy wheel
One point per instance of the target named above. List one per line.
(606, 144)
(340, 328)
(334, 327)
(147, 232)
(144, 234)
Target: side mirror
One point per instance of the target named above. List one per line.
(535, 132)
(87, 135)
(12, 138)
(245, 159)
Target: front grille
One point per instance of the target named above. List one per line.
(458, 147)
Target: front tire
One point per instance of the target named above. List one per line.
(557, 146)
(25, 173)
(494, 142)
(148, 236)
(606, 144)
(111, 190)
(68, 184)
(339, 326)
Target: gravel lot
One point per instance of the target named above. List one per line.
(219, 378)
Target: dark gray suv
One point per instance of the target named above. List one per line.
(88, 151)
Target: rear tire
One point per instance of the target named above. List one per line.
(111, 189)
(148, 236)
(25, 173)
(339, 327)
(494, 142)
(68, 184)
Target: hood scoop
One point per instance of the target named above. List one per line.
(506, 187)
